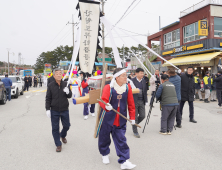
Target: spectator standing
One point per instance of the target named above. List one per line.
(26, 80)
(30, 81)
(218, 81)
(213, 89)
(57, 107)
(8, 85)
(169, 102)
(146, 78)
(154, 81)
(40, 81)
(35, 81)
(197, 85)
(187, 94)
(140, 99)
(176, 80)
(207, 86)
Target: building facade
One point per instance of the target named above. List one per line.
(196, 39)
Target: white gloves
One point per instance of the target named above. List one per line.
(66, 90)
(147, 104)
(48, 113)
(110, 107)
(132, 122)
(179, 71)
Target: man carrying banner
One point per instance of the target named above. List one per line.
(117, 95)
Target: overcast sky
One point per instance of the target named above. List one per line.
(35, 26)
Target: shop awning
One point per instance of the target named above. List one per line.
(193, 59)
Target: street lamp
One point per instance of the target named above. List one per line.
(8, 58)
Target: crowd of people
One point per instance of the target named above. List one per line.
(32, 81)
(172, 89)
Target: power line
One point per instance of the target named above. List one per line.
(112, 7)
(133, 32)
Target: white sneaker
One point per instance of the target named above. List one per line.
(219, 107)
(85, 117)
(105, 159)
(127, 165)
(93, 114)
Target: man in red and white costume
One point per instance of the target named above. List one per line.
(118, 95)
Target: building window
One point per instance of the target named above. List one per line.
(217, 27)
(172, 39)
(190, 33)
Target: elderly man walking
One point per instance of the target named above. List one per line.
(57, 107)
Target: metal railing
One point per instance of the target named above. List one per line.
(199, 5)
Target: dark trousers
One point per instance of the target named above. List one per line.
(190, 108)
(8, 92)
(26, 87)
(219, 97)
(140, 114)
(168, 118)
(30, 84)
(55, 117)
(40, 84)
(85, 109)
(35, 84)
(92, 108)
(119, 139)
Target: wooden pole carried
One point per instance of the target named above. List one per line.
(100, 100)
(99, 108)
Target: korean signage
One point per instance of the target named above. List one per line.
(182, 49)
(90, 14)
(203, 28)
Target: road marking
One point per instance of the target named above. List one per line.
(34, 91)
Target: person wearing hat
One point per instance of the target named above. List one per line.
(167, 95)
(207, 86)
(197, 85)
(118, 95)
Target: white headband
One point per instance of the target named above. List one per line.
(116, 75)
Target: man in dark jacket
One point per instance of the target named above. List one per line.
(30, 81)
(169, 102)
(176, 80)
(207, 86)
(218, 81)
(57, 106)
(187, 94)
(197, 85)
(50, 79)
(8, 85)
(140, 99)
(26, 80)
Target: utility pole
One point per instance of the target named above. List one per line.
(123, 57)
(8, 59)
(103, 35)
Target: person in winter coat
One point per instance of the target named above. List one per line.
(8, 85)
(57, 107)
(30, 81)
(154, 81)
(218, 81)
(146, 78)
(187, 94)
(26, 80)
(213, 89)
(40, 81)
(197, 85)
(176, 80)
(207, 86)
(169, 102)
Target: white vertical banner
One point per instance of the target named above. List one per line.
(115, 49)
(90, 14)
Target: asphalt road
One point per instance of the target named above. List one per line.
(26, 141)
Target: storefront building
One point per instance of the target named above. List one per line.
(196, 39)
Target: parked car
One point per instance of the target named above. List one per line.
(17, 86)
(2, 93)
